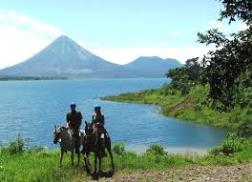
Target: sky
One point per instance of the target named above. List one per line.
(117, 30)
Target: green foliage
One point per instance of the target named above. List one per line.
(231, 145)
(228, 70)
(245, 129)
(186, 77)
(118, 148)
(156, 149)
(194, 106)
(16, 147)
(237, 8)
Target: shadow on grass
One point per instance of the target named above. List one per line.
(102, 174)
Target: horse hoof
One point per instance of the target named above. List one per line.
(95, 177)
(100, 173)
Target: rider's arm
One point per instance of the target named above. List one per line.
(67, 120)
(80, 119)
(93, 118)
(103, 120)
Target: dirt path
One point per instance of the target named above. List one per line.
(239, 173)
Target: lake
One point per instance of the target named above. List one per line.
(31, 108)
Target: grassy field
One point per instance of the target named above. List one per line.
(40, 164)
(193, 107)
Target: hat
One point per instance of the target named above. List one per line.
(97, 107)
(72, 104)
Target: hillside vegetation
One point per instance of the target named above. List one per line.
(193, 106)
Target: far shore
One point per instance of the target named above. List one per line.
(31, 78)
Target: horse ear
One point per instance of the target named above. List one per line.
(55, 127)
(86, 123)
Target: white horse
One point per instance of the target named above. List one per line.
(67, 142)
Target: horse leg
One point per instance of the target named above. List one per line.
(77, 149)
(72, 157)
(100, 160)
(78, 159)
(111, 158)
(95, 166)
(61, 157)
(86, 163)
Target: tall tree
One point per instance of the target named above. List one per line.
(232, 57)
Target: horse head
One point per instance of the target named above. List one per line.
(88, 128)
(57, 134)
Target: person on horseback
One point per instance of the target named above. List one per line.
(98, 117)
(98, 121)
(74, 119)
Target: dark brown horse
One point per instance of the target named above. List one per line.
(96, 143)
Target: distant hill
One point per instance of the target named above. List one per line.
(152, 66)
(65, 58)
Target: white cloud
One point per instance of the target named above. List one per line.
(126, 55)
(225, 27)
(22, 36)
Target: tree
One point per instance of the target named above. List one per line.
(233, 56)
(240, 9)
(187, 76)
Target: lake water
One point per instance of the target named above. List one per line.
(31, 108)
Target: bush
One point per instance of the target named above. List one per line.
(118, 148)
(245, 129)
(17, 146)
(156, 149)
(37, 149)
(231, 145)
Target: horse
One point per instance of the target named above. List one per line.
(93, 142)
(67, 142)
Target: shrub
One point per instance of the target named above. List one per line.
(17, 146)
(245, 129)
(231, 145)
(156, 149)
(118, 148)
(36, 149)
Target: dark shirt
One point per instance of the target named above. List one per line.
(98, 118)
(74, 119)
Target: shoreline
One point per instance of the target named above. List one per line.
(192, 107)
(183, 151)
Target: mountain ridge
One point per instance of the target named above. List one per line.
(65, 58)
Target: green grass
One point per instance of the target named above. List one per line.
(43, 165)
(36, 166)
(193, 107)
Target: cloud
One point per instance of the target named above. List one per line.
(126, 55)
(22, 36)
(225, 27)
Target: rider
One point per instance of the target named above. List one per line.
(73, 119)
(98, 121)
(98, 117)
